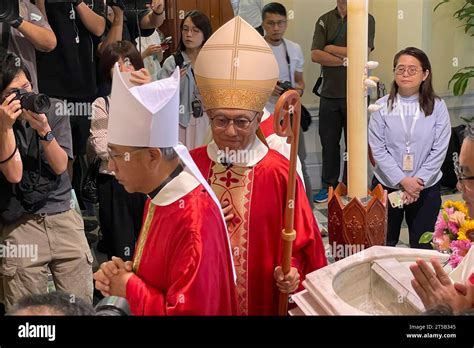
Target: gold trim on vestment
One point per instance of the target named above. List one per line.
(234, 185)
(143, 236)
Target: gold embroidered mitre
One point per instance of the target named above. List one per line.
(236, 68)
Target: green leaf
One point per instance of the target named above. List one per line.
(468, 120)
(441, 3)
(445, 216)
(463, 86)
(460, 86)
(426, 238)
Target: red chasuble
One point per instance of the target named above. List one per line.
(257, 191)
(182, 261)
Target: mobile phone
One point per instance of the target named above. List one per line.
(396, 199)
(167, 40)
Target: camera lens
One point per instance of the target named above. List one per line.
(113, 306)
(38, 103)
(42, 104)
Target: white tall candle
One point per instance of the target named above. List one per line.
(357, 52)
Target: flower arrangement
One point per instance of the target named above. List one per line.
(454, 232)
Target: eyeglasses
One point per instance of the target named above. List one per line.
(459, 174)
(412, 70)
(114, 156)
(279, 23)
(193, 30)
(240, 123)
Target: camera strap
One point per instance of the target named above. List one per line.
(5, 35)
(288, 60)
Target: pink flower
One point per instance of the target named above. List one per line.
(441, 241)
(457, 217)
(454, 260)
(460, 247)
(453, 227)
(441, 224)
(450, 211)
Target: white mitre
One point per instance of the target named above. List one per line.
(144, 116)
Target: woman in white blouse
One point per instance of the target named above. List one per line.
(409, 139)
(193, 122)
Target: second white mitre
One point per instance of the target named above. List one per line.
(144, 116)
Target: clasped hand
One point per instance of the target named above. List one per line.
(112, 277)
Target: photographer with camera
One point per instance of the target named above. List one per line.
(193, 123)
(24, 32)
(290, 62)
(35, 193)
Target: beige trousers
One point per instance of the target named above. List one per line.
(35, 243)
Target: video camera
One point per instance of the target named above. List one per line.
(112, 306)
(9, 10)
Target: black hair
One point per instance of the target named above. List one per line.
(201, 21)
(427, 94)
(10, 66)
(57, 302)
(275, 8)
(115, 51)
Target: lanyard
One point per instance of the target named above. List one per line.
(409, 135)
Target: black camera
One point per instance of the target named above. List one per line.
(9, 10)
(37, 103)
(285, 85)
(197, 108)
(112, 306)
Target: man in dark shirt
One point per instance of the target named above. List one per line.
(329, 49)
(69, 72)
(35, 197)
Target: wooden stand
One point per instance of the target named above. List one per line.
(356, 224)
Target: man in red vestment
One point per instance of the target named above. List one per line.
(182, 263)
(250, 179)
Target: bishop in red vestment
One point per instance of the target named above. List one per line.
(182, 263)
(249, 179)
(257, 192)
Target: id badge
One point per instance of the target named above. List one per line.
(408, 161)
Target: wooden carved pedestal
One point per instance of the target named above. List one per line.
(356, 226)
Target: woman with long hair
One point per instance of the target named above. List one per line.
(120, 212)
(193, 123)
(409, 139)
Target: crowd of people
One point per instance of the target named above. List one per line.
(185, 229)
